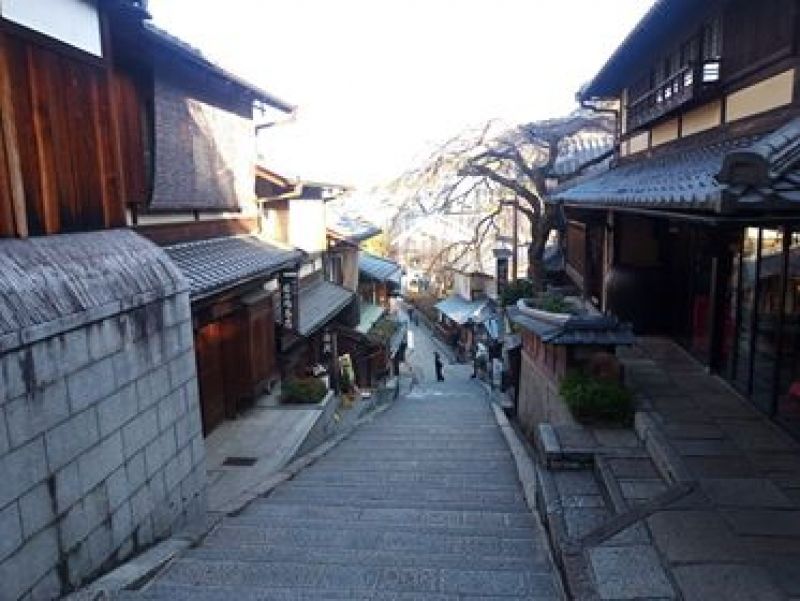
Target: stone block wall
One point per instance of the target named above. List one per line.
(101, 446)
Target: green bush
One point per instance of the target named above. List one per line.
(515, 291)
(303, 390)
(553, 303)
(592, 400)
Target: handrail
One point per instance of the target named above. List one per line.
(667, 83)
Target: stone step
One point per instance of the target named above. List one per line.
(270, 509)
(426, 454)
(321, 524)
(381, 478)
(362, 495)
(400, 492)
(475, 440)
(417, 465)
(502, 583)
(190, 593)
(231, 536)
(537, 560)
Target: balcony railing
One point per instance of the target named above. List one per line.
(668, 95)
(677, 90)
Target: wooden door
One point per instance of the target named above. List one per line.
(210, 376)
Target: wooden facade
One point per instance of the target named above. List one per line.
(60, 156)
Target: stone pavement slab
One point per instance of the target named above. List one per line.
(630, 572)
(732, 582)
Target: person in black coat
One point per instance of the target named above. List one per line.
(437, 361)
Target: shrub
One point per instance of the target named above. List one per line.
(592, 400)
(515, 291)
(303, 390)
(554, 304)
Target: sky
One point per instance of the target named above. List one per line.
(377, 82)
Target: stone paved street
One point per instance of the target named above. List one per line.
(422, 503)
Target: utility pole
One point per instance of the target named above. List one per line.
(514, 240)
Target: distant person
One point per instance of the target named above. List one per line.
(437, 362)
(411, 314)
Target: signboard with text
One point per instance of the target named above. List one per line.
(290, 310)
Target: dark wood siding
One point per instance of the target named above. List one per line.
(755, 33)
(58, 120)
(135, 125)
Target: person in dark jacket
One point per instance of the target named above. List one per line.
(437, 361)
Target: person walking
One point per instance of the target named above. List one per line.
(437, 361)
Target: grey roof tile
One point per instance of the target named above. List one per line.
(216, 264)
(577, 330)
(353, 229)
(50, 279)
(378, 268)
(320, 301)
(701, 172)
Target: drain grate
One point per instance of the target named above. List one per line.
(239, 461)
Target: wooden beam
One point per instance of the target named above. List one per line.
(44, 149)
(11, 149)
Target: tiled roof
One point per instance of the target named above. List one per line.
(320, 302)
(707, 173)
(462, 311)
(378, 268)
(351, 228)
(684, 177)
(216, 264)
(576, 330)
(51, 284)
(581, 152)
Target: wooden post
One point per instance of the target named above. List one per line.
(11, 149)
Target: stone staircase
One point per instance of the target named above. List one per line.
(422, 503)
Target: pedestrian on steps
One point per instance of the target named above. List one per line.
(437, 361)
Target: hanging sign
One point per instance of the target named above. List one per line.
(290, 313)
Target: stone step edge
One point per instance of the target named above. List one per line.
(527, 471)
(138, 572)
(665, 457)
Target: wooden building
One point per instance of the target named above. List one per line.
(296, 213)
(694, 231)
(189, 129)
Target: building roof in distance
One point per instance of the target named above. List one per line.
(350, 228)
(379, 269)
(464, 311)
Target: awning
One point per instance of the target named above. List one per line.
(320, 302)
(369, 315)
(463, 311)
(712, 173)
(378, 268)
(217, 264)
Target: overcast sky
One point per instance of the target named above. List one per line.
(376, 81)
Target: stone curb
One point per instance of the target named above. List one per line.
(667, 460)
(137, 572)
(527, 472)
